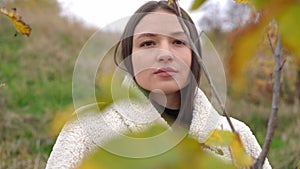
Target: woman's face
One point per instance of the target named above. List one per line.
(161, 55)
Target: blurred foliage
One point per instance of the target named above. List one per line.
(247, 39)
(187, 154)
(109, 89)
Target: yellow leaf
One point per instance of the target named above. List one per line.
(244, 44)
(242, 1)
(16, 19)
(289, 29)
(60, 119)
(239, 153)
(227, 138)
(219, 138)
(170, 2)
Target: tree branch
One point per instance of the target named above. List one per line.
(275, 102)
(206, 73)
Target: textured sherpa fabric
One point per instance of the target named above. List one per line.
(82, 136)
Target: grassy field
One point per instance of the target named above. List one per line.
(37, 77)
(37, 74)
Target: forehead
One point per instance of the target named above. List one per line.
(158, 22)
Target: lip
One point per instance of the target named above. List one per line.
(165, 72)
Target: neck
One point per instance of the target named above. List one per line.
(171, 101)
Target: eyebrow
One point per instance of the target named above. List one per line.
(179, 33)
(142, 35)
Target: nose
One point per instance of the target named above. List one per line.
(164, 53)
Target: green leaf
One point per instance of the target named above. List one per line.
(109, 89)
(187, 154)
(196, 4)
(260, 3)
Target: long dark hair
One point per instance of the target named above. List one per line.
(187, 93)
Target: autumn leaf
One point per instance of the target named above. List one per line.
(227, 138)
(219, 138)
(239, 153)
(16, 19)
(289, 29)
(60, 119)
(171, 1)
(245, 43)
(196, 4)
(242, 1)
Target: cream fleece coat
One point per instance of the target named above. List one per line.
(82, 136)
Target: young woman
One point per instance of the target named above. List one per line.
(157, 55)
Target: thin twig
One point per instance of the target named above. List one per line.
(270, 43)
(275, 102)
(206, 73)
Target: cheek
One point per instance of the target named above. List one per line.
(185, 64)
(137, 64)
(142, 79)
(188, 59)
(141, 62)
(185, 60)
(142, 65)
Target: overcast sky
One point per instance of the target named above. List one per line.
(101, 13)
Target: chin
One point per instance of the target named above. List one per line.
(165, 89)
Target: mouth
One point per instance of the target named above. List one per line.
(165, 72)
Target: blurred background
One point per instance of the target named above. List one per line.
(36, 79)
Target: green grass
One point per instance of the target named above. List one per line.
(37, 73)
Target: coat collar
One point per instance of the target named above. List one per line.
(140, 113)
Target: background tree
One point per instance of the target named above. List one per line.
(245, 38)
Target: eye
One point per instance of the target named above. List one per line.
(179, 42)
(147, 43)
